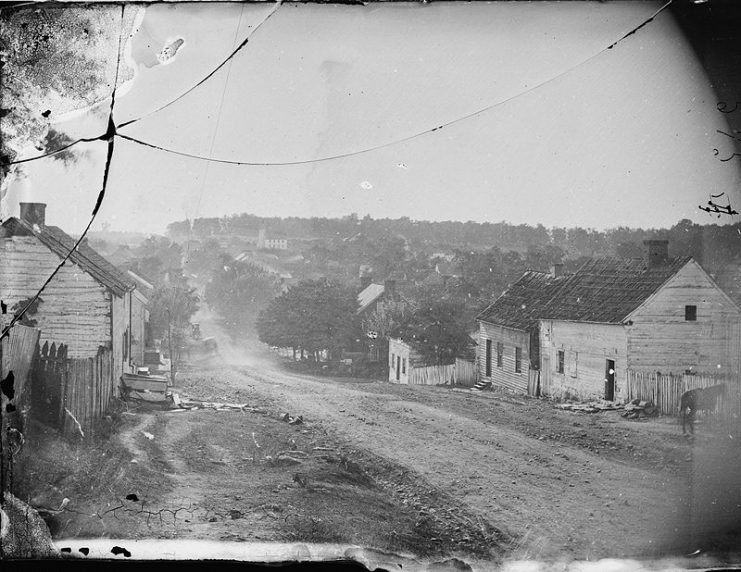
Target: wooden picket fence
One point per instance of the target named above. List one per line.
(462, 372)
(666, 390)
(71, 394)
(18, 353)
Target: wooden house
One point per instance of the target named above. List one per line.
(86, 306)
(402, 359)
(508, 348)
(585, 331)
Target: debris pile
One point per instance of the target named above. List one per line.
(591, 407)
(638, 408)
(298, 420)
(189, 404)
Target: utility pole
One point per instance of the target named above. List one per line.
(173, 369)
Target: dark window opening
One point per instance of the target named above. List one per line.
(488, 358)
(518, 360)
(500, 354)
(560, 361)
(690, 313)
(404, 365)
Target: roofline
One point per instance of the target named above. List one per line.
(620, 323)
(29, 228)
(524, 331)
(656, 292)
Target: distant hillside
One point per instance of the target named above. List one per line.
(712, 244)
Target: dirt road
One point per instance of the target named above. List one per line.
(422, 471)
(559, 483)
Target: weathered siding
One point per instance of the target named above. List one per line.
(398, 349)
(660, 339)
(138, 332)
(121, 330)
(75, 309)
(504, 376)
(586, 347)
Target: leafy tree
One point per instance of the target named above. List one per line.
(314, 315)
(54, 61)
(439, 330)
(240, 290)
(170, 310)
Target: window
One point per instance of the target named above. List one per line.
(500, 354)
(518, 360)
(488, 358)
(393, 357)
(404, 365)
(690, 313)
(560, 361)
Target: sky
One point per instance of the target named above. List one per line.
(572, 133)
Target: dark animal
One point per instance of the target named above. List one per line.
(700, 399)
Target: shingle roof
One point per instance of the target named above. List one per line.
(60, 243)
(369, 295)
(604, 290)
(523, 302)
(607, 290)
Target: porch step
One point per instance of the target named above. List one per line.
(482, 385)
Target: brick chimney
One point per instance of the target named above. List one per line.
(34, 213)
(657, 252)
(557, 270)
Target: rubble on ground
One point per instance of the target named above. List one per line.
(589, 407)
(189, 404)
(638, 408)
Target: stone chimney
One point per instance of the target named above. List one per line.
(365, 281)
(657, 252)
(34, 213)
(557, 270)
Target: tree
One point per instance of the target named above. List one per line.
(171, 308)
(54, 61)
(438, 330)
(314, 315)
(240, 290)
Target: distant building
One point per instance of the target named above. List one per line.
(579, 334)
(273, 242)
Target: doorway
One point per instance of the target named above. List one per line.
(609, 380)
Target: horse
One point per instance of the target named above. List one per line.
(700, 399)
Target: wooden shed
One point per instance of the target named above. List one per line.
(87, 305)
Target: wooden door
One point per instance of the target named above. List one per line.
(610, 380)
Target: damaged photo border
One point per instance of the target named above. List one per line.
(718, 206)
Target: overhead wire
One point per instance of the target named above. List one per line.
(165, 106)
(208, 76)
(349, 153)
(395, 142)
(213, 138)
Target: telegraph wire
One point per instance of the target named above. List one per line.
(396, 141)
(349, 153)
(234, 52)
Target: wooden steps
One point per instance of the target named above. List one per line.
(482, 385)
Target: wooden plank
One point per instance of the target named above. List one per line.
(144, 385)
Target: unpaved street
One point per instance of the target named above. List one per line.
(557, 497)
(559, 483)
